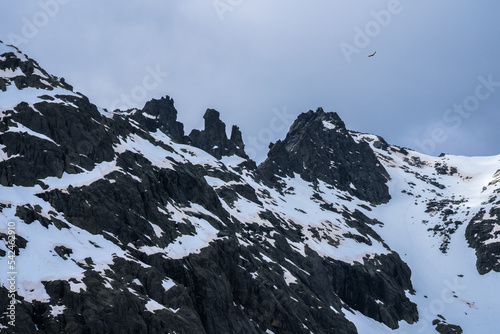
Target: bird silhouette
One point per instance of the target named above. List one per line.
(373, 54)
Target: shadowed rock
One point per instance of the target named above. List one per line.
(160, 115)
(213, 138)
(319, 147)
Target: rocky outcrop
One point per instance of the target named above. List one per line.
(68, 138)
(160, 115)
(319, 147)
(445, 328)
(213, 138)
(480, 233)
(25, 72)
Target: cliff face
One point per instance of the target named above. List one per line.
(124, 224)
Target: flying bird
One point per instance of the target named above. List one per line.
(373, 54)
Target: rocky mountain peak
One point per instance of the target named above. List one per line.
(45, 128)
(127, 231)
(318, 118)
(319, 147)
(160, 115)
(214, 127)
(237, 139)
(213, 138)
(17, 69)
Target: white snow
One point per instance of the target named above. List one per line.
(3, 154)
(348, 250)
(145, 114)
(105, 112)
(495, 233)
(167, 284)
(13, 96)
(57, 310)
(82, 179)
(232, 161)
(288, 276)
(366, 325)
(328, 125)
(39, 262)
(23, 129)
(153, 306)
(8, 73)
(155, 154)
(186, 244)
(157, 229)
(446, 284)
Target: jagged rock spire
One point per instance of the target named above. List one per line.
(213, 138)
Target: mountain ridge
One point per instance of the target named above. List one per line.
(126, 224)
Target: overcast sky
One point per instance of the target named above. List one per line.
(433, 84)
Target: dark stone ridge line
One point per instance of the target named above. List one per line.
(215, 290)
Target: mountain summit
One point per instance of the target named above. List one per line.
(319, 147)
(125, 224)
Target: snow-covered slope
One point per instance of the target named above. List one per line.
(434, 201)
(125, 224)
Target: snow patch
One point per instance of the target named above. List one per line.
(328, 125)
(153, 306)
(56, 310)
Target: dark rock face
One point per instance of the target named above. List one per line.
(160, 115)
(365, 287)
(99, 309)
(266, 300)
(478, 232)
(102, 209)
(319, 147)
(70, 137)
(247, 275)
(213, 138)
(32, 75)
